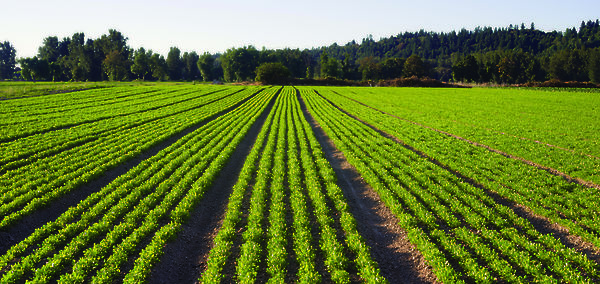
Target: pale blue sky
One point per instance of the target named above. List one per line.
(215, 26)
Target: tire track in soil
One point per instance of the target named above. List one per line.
(185, 258)
(398, 259)
(27, 225)
(552, 171)
(540, 223)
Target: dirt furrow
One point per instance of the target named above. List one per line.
(398, 259)
(540, 223)
(54, 209)
(185, 258)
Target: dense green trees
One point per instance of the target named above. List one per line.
(594, 65)
(206, 65)
(239, 64)
(272, 73)
(7, 60)
(141, 63)
(516, 54)
(330, 67)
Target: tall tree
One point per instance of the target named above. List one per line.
(112, 49)
(466, 69)
(50, 49)
(7, 60)
(174, 64)
(568, 65)
(594, 65)
(158, 67)
(370, 68)
(78, 61)
(206, 63)
(115, 67)
(239, 64)
(391, 68)
(190, 63)
(330, 67)
(33, 69)
(141, 63)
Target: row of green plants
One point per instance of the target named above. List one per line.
(17, 127)
(321, 183)
(569, 204)
(463, 233)
(32, 147)
(21, 109)
(555, 129)
(96, 239)
(287, 177)
(34, 185)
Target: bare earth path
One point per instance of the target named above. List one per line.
(53, 210)
(185, 258)
(398, 259)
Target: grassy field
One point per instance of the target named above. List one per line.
(140, 182)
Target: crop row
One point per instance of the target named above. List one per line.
(286, 177)
(78, 100)
(30, 104)
(18, 127)
(31, 186)
(569, 204)
(556, 130)
(131, 218)
(462, 231)
(24, 150)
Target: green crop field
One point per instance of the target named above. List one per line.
(218, 184)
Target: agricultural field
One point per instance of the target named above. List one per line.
(220, 184)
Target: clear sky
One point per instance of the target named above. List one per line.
(215, 26)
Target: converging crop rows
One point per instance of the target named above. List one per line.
(96, 185)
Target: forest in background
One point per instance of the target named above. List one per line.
(511, 55)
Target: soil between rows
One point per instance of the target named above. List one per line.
(27, 225)
(185, 258)
(540, 223)
(398, 259)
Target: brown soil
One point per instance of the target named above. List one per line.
(185, 258)
(398, 259)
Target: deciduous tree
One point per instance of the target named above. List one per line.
(7, 60)
(414, 66)
(206, 63)
(141, 63)
(174, 64)
(272, 73)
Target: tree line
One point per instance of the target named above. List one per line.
(516, 54)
